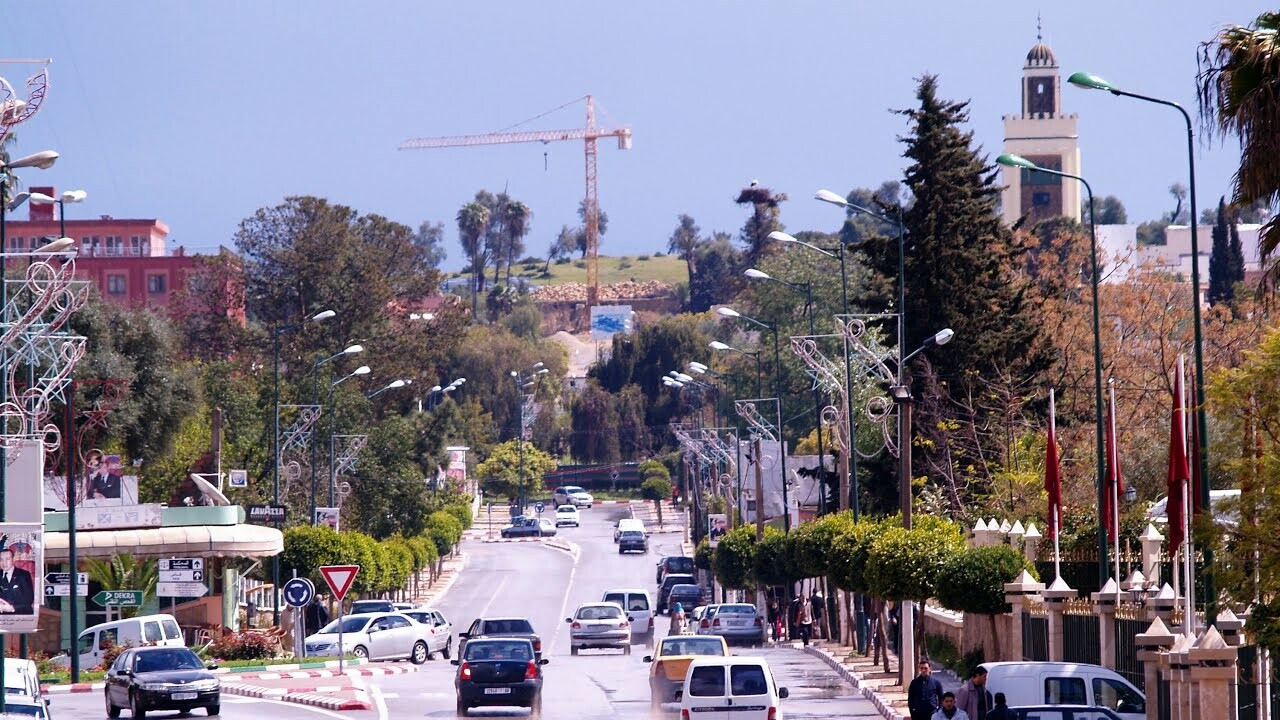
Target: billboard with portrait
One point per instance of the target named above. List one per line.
(101, 482)
(327, 516)
(21, 576)
(717, 526)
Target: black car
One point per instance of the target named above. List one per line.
(675, 565)
(631, 540)
(500, 628)
(499, 671)
(523, 527)
(689, 596)
(359, 607)
(669, 581)
(161, 678)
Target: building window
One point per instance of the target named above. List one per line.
(155, 284)
(135, 246)
(116, 285)
(16, 243)
(1041, 199)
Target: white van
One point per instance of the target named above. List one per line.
(639, 608)
(136, 631)
(1053, 683)
(739, 687)
(626, 524)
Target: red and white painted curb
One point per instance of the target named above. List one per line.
(73, 688)
(329, 702)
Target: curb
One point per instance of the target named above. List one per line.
(353, 672)
(327, 702)
(434, 597)
(887, 712)
(250, 672)
(566, 546)
(73, 688)
(286, 667)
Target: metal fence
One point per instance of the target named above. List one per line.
(1127, 664)
(1247, 683)
(1080, 641)
(1035, 637)
(1162, 698)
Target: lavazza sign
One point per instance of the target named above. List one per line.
(266, 513)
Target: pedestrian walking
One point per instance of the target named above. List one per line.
(775, 619)
(677, 620)
(949, 710)
(804, 621)
(1001, 710)
(819, 604)
(973, 697)
(924, 695)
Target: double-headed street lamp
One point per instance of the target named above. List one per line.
(1015, 161)
(1093, 82)
(362, 370)
(437, 394)
(753, 354)
(529, 380)
(729, 312)
(68, 196)
(320, 362)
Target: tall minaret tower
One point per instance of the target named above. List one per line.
(1044, 135)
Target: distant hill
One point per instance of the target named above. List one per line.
(663, 268)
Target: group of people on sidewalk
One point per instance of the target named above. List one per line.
(804, 614)
(926, 700)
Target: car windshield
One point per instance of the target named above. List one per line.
(686, 590)
(350, 624)
(171, 659)
(370, 606)
(507, 626)
(567, 510)
(599, 612)
(501, 650)
(572, 489)
(691, 645)
(680, 565)
(737, 610)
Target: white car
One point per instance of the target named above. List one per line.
(745, 683)
(441, 630)
(567, 515)
(572, 495)
(639, 609)
(599, 625)
(376, 636)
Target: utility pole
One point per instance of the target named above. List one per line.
(759, 491)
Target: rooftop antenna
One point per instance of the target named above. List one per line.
(1039, 34)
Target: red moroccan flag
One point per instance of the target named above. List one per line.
(1052, 481)
(1114, 479)
(1178, 470)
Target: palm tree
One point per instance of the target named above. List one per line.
(1239, 92)
(515, 221)
(684, 242)
(473, 218)
(124, 572)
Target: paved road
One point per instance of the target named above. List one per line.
(545, 585)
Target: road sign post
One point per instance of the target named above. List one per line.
(339, 579)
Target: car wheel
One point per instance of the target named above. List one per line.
(213, 710)
(626, 650)
(536, 707)
(135, 708)
(573, 650)
(462, 708)
(112, 710)
(361, 652)
(420, 653)
(621, 551)
(446, 651)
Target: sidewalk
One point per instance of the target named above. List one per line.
(325, 689)
(452, 567)
(673, 517)
(870, 679)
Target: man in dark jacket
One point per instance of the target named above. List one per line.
(973, 697)
(924, 695)
(1001, 710)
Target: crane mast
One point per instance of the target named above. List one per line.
(590, 204)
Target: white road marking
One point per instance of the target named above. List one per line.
(309, 708)
(496, 592)
(379, 701)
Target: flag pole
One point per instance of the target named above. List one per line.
(1055, 509)
(1115, 482)
(1188, 549)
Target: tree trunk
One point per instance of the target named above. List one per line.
(658, 504)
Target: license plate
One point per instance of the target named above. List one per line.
(497, 691)
(185, 696)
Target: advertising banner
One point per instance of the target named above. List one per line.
(608, 320)
(103, 483)
(326, 516)
(717, 526)
(21, 576)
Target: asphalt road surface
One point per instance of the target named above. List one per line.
(546, 585)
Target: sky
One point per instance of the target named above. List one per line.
(199, 113)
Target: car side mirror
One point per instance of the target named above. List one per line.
(211, 666)
(648, 658)
(543, 661)
(123, 673)
(568, 620)
(455, 662)
(783, 694)
(464, 634)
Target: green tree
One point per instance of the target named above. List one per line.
(515, 220)
(307, 548)
(501, 473)
(656, 485)
(734, 558)
(764, 219)
(715, 280)
(473, 220)
(684, 242)
(596, 435)
(209, 308)
(1226, 260)
(445, 531)
(1239, 84)
(974, 584)
(772, 563)
(430, 240)
(124, 572)
(1109, 211)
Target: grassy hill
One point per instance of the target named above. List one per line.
(664, 268)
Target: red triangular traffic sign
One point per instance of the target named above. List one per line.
(339, 578)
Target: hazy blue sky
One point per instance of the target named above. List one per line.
(199, 113)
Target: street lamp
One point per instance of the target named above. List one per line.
(1015, 161)
(390, 386)
(320, 362)
(69, 196)
(531, 377)
(729, 312)
(754, 355)
(276, 331)
(1093, 82)
(901, 393)
(362, 370)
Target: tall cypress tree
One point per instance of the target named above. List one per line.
(1235, 259)
(1221, 284)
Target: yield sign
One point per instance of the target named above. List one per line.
(339, 578)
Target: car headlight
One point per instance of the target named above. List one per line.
(210, 684)
(156, 687)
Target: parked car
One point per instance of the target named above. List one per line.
(568, 515)
(528, 527)
(639, 609)
(161, 629)
(161, 678)
(668, 582)
(361, 607)
(501, 672)
(22, 689)
(633, 541)
(404, 606)
(744, 683)
(670, 663)
(441, 630)
(626, 524)
(735, 622)
(599, 625)
(572, 495)
(1027, 684)
(1063, 712)
(503, 627)
(677, 564)
(376, 636)
(688, 595)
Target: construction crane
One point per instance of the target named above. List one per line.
(591, 203)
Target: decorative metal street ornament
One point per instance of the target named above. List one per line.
(748, 411)
(346, 448)
(864, 340)
(14, 110)
(298, 436)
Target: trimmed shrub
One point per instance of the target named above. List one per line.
(772, 563)
(973, 579)
(733, 559)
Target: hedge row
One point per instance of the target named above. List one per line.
(874, 556)
(385, 565)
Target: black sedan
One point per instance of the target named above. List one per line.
(160, 678)
(499, 672)
(510, 627)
